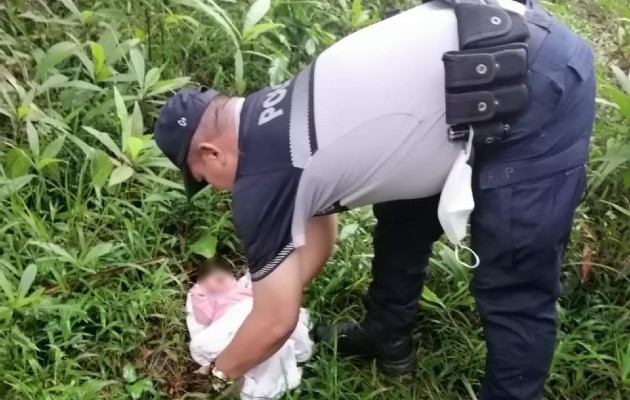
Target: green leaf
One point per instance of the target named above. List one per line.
(278, 70)
(616, 7)
(121, 108)
(617, 154)
(205, 246)
(348, 230)
(431, 298)
(54, 249)
(33, 138)
(134, 146)
(28, 276)
(239, 82)
(357, 10)
(105, 74)
(310, 46)
(8, 187)
(5, 313)
(137, 125)
(160, 162)
(106, 141)
(176, 19)
(53, 81)
(255, 31)
(256, 12)
(23, 111)
(97, 252)
(168, 85)
(12, 81)
(215, 12)
(54, 147)
(125, 124)
(137, 64)
(622, 210)
(129, 373)
(6, 286)
(137, 389)
(622, 78)
(625, 365)
(43, 162)
(56, 54)
(72, 7)
(87, 63)
(98, 57)
(619, 98)
(120, 175)
(87, 150)
(161, 181)
(139, 33)
(120, 50)
(17, 162)
(153, 76)
(100, 168)
(626, 179)
(22, 340)
(84, 85)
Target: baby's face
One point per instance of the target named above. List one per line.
(217, 282)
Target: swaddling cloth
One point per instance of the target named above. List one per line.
(268, 380)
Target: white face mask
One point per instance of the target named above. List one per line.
(456, 201)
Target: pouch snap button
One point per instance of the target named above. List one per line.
(481, 69)
(495, 20)
(482, 106)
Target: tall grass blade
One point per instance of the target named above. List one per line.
(255, 13)
(28, 277)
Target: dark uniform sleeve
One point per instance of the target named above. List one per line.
(263, 212)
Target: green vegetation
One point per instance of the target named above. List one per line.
(98, 243)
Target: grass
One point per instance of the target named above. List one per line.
(99, 245)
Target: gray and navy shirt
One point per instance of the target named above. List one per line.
(363, 124)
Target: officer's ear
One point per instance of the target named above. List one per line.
(210, 152)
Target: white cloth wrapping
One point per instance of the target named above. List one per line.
(272, 378)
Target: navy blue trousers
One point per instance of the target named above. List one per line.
(526, 191)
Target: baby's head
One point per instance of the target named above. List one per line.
(215, 280)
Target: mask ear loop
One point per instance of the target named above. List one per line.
(477, 261)
(469, 145)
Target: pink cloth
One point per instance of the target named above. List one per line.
(208, 307)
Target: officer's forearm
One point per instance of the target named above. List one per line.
(255, 341)
(275, 313)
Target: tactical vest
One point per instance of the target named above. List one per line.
(486, 79)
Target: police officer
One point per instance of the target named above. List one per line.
(366, 123)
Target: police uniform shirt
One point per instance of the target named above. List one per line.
(362, 124)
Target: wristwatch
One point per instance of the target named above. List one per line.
(219, 380)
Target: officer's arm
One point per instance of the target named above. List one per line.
(277, 300)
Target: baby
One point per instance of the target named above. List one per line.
(216, 307)
(215, 292)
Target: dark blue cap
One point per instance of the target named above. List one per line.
(175, 127)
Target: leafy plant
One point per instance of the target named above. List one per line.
(617, 154)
